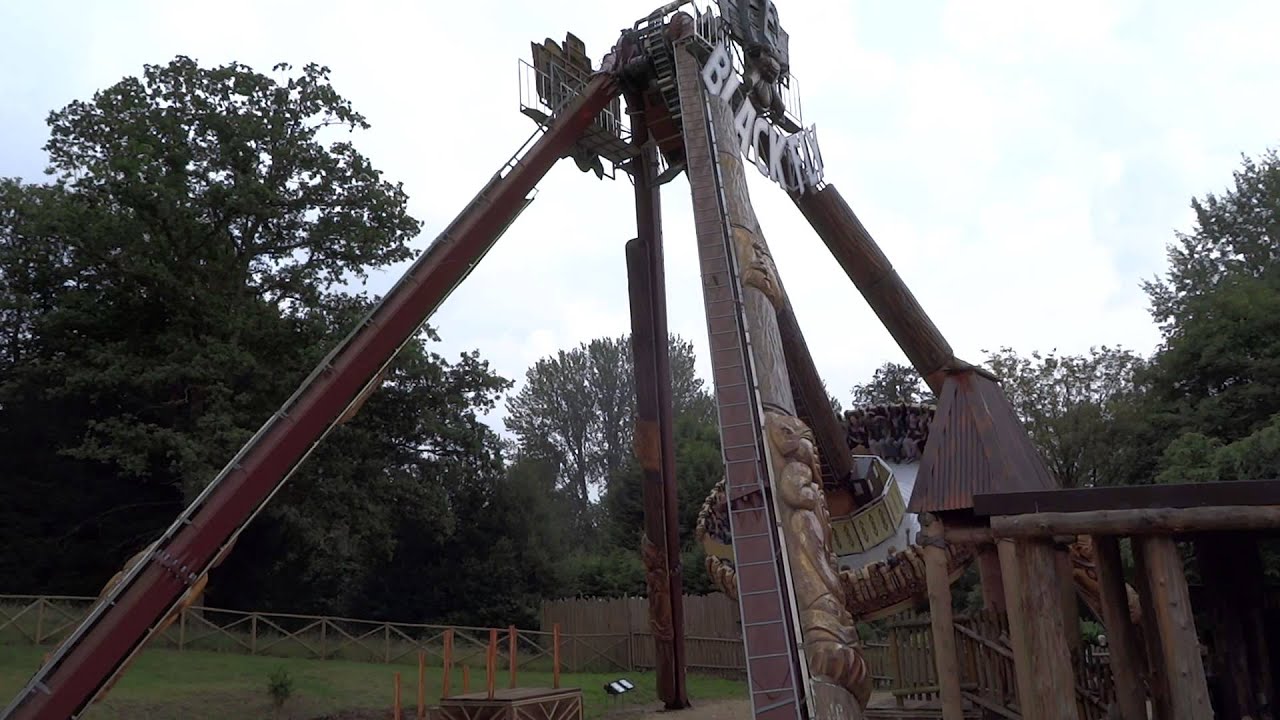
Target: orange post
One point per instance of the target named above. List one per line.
(395, 709)
(491, 661)
(555, 656)
(448, 661)
(422, 685)
(511, 652)
(466, 679)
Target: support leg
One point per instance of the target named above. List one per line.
(655, 436)
(1070, 602)
(1126, 656)
(1180, 659)
(1046, 684)
(991, 577)
(944, 631)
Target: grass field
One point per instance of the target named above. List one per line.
(168, 685)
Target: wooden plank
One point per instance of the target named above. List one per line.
(515, 695)
(1188, 691)
(525, 703)
(1131, 497)
(1122, 637)
(1153, 521)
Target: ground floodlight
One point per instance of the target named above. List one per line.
(618, 687)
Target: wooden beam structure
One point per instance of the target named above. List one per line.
(1129, 497)
(1150, 521)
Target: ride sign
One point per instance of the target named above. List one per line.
(793, 161)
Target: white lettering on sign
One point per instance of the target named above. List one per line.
(792, 161)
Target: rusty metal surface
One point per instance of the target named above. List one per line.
(976, 445)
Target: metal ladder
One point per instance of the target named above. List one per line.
(768, 628)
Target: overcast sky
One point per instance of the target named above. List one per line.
(1021, 163)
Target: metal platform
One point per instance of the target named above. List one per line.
(512, 704)
(557, 75)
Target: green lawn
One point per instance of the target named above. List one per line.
(168, 684)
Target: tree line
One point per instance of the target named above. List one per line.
(189, 260)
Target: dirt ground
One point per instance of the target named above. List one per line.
(713, 710)
(709, 710)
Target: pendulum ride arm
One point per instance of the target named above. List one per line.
(122, 621)
(813, 406)
(866, 265)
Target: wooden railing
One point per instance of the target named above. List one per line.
(47, 620)
(987, 676)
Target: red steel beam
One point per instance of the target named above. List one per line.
(122, 622)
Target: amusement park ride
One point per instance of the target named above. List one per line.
(708, 92)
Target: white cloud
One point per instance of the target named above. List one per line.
(1021, 164)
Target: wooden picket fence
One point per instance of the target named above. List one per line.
(713, 636)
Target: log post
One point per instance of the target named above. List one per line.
(944, 631)
(992, 579)
(422, 685)
(512, 637)
(447, 666)
(395, 708)
(1153, 645)
(1122, 638)
(1070, 602)
(1188, 691)
(1007, 552)
(1046, 683)
(654, 438)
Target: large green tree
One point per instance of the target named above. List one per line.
(164, 294)
(578, 407)
(1211, 393)
(890, 384)
(1067, 403)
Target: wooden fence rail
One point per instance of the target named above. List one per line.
(48, 619)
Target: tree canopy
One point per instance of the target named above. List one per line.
(891, 384)
(182, 272)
